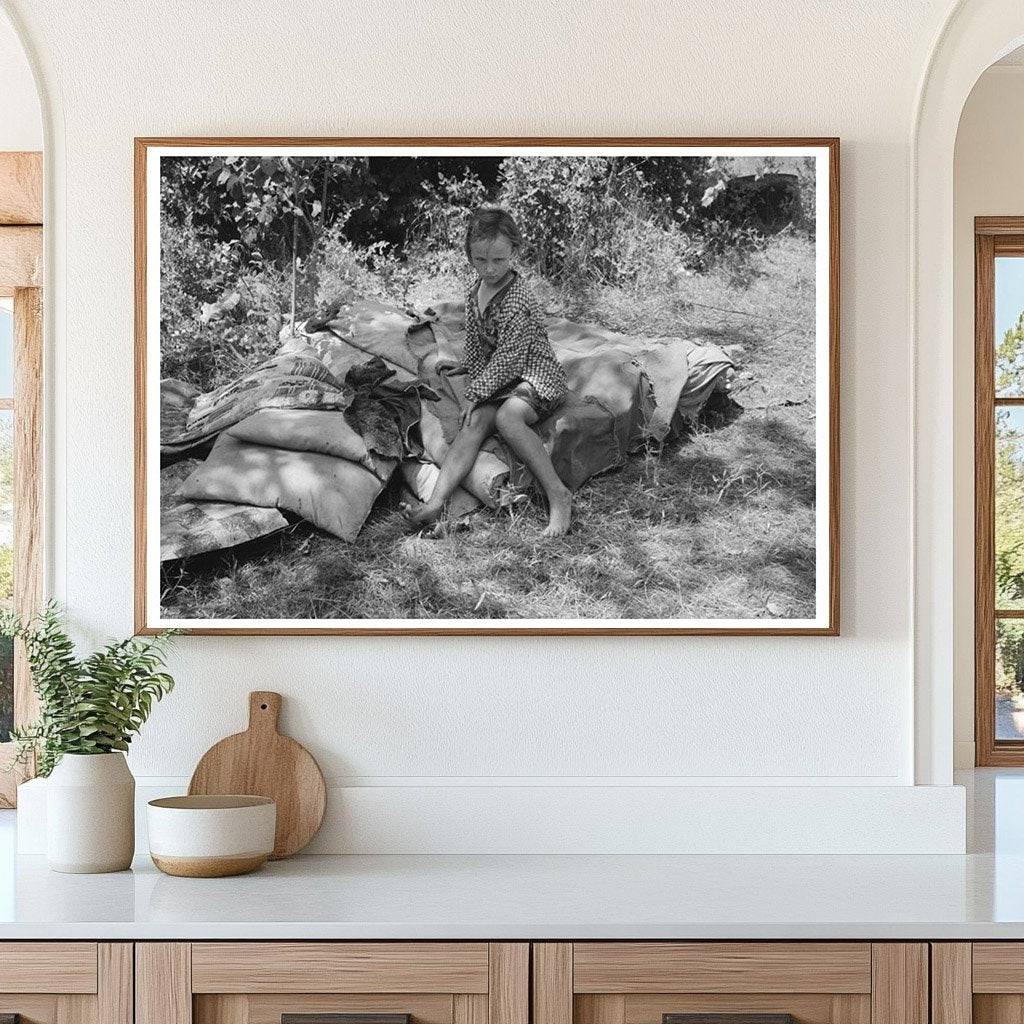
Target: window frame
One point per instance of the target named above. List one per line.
(21, 260)
(993, 237)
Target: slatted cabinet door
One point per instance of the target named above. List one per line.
(977, 983)
(315, 982)
(750, 982)
(66, 982)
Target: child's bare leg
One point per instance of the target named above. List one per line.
(458, 461)
(514, 421)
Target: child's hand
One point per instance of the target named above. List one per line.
(466, 413)
(449, 368)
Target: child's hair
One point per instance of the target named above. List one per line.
(487, 223)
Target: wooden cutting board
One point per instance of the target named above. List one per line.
(262, 762)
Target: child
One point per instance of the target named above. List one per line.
(514, 378)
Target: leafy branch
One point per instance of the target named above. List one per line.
(90, 705)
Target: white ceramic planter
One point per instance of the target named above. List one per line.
(90, 814)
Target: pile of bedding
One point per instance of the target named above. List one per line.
(320, 429)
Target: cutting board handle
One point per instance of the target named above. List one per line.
(264, 709)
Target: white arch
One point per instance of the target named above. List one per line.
(975, 34)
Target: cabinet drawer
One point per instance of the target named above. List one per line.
(340, 967)
(48, 967)
(630, 967)
(260, 982)
(751, 982)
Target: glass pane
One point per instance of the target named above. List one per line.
(1009, 325)
(6, 567)
(1009, 679)
(6, 349)
(1009, 485)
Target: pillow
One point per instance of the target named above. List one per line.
(334, 494)
(303, 430)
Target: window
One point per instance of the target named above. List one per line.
(999, 490)
(21, 375)
(6, 510)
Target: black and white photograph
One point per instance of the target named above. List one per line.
(443, 387)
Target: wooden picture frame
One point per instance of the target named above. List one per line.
(824, 622)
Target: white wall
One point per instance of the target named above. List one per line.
(21, 125)
(443, 713)
(988, 181)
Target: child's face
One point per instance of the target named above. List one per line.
(491, 258)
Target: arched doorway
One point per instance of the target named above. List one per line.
(975, 35)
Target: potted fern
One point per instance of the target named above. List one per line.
(89, 709)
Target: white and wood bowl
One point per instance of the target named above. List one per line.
(211, 836)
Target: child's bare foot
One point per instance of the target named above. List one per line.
(420, 515)
(559, 513)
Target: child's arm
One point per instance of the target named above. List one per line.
(506, 364)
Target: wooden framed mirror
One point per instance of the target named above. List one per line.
(21, 366)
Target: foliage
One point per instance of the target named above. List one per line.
(90, 705)
(1009, 473)
(245, 239)
(1010, 360)
(1009, 656)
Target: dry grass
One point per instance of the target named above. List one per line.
(719, 524)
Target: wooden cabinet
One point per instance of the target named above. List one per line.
(815, 982)
(259, 982)
(980, 982)
(66, 982)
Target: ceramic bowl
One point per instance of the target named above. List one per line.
(211, 836)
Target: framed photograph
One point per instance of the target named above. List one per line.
(487, 386)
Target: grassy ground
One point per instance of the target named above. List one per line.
(718, 524)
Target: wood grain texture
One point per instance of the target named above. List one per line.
(508, 991)
(552, 983)
(899, 983)
(48, 967)
(755, 967)
(76, 1009)
(997, 967)
(984, 503)
(223, 1009)
(269, 1008)
(163, 983)
(115, 983)
(467, 1009)
(27, 500)
(807, 1008)
(339, 967)
(998, 1009)
(28, 482)
(599, 1009)
(21, 188)
(21, 257)
(999, 226)
(32, 1009)
(262, 762)
(851, 1009)
(831, 144)
(951, 983)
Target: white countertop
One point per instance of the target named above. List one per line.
(977, 896)
(532, 897)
